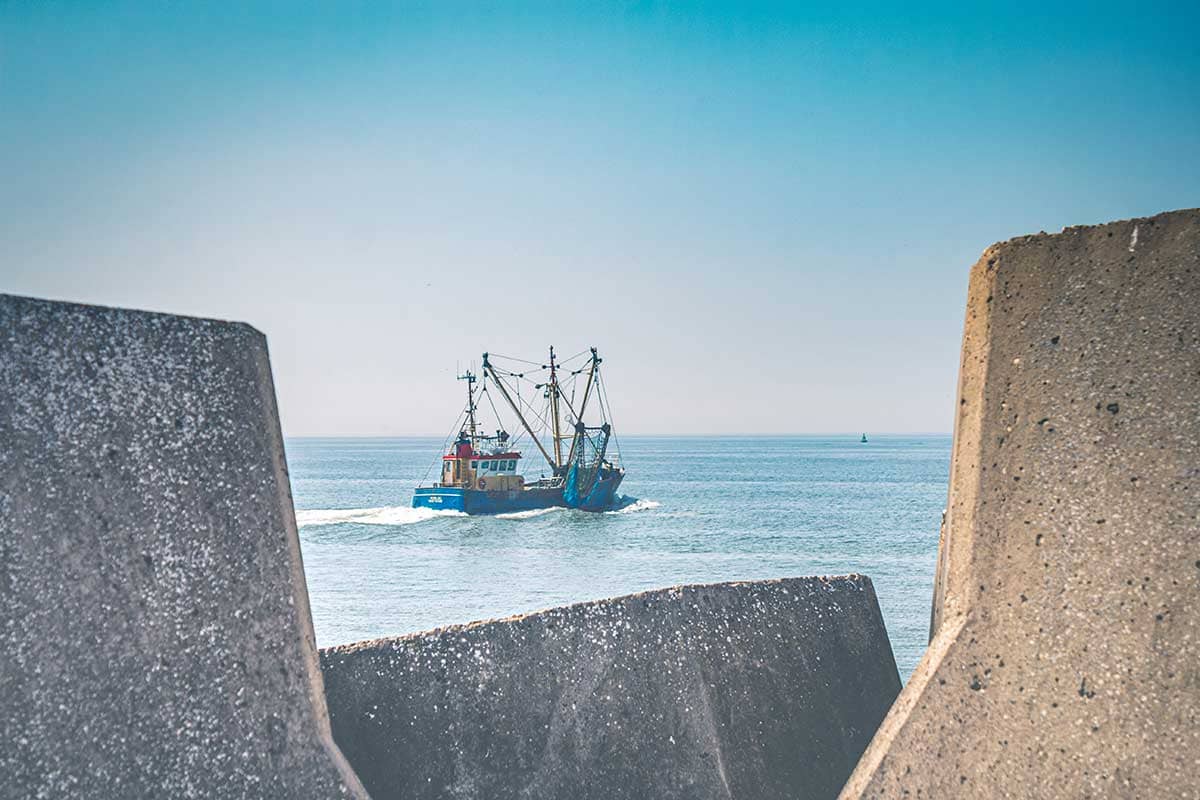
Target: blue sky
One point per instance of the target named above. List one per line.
(762, 214)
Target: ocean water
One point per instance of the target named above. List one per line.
(706, 509)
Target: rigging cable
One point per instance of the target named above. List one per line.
(511, 358)
(562, 361)
(458, 425)
(521, 429)
(542, 417)
(492, 403)
(602, 395)
(523, 404)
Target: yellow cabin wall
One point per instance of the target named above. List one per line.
(460, 474)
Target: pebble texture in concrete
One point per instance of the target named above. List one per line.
(1066, 654)
(740, 690)
(155, 638)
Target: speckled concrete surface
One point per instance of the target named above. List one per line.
(155, 639)
(1066, 660)
(741, 690)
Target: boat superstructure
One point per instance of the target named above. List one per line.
(480, 473)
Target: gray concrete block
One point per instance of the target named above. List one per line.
(1066, 617)
(742, 690)
(155, 638)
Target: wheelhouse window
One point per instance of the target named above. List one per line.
(512, 464)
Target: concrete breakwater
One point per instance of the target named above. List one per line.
(1066, 612)
(768, 689)
(155, 639)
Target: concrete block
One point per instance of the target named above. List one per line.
(741, 690)
(156, 638)
(1065, 660)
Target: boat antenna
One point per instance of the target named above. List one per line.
(469, 377)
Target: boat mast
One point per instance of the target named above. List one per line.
(470, 379)
(587, 390)
(488, 369)
(553, 385)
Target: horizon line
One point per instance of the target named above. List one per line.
(642, 435)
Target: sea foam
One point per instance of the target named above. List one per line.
(404, 515)
(386, 515)
(531, 513)
(635, 506)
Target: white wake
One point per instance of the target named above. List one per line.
(387, 515)
(635, 506)
(531, 513)
(405, 515)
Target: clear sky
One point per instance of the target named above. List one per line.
(763, 215)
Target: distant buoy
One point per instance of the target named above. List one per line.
(864, 439)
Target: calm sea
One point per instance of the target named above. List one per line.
(707, 509)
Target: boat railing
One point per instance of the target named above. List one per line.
(546, 483)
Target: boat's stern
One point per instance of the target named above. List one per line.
(603, 494)
(439, 497)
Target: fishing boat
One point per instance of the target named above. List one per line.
(481, 473)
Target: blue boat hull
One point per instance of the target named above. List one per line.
(603, 495)
(476, 501)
